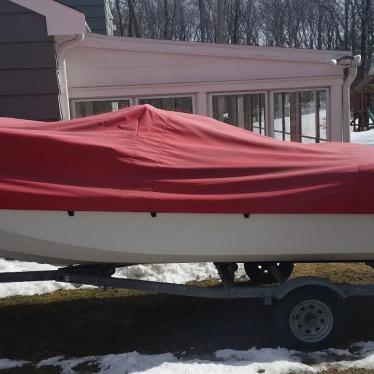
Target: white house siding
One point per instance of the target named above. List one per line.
(105, 67)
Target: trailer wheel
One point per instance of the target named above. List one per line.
(309, 317)
(261, 272)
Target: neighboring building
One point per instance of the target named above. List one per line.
(28, 70)
(362, 98)
(291, 94)
(98, 14)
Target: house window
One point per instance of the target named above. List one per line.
(89, 108)
(301, 116)
(242, 110)
(177, 104)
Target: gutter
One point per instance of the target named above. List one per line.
(351, 64)
(63, 77)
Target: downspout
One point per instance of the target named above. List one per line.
(352, 73)
(63, 77)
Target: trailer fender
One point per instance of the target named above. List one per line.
(300, 282)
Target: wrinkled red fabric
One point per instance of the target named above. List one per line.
(143, 159)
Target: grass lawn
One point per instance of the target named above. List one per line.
(101, 321)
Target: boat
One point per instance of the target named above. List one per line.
(144, 185)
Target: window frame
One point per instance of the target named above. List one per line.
(308, 89)
(73, 111)
(134, 100)
(141, 97)
(244, 92)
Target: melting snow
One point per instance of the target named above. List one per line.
(363, 137)
(28, 288)
(10, 364)
(173, 273)
(66, 365)
(252, 361)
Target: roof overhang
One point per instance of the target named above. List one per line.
(61, 20)
(211, 49)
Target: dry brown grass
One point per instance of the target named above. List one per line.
(355, 273)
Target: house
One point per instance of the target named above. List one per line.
(97, 12)
(291, 94)
(28, 68)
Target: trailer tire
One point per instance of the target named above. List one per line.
(310, 318)
(260, 273)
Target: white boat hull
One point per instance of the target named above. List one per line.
(129, 238)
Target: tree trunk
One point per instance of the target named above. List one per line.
(203, 25)
(133, 29)
(235, 36)
(120, 20)
(220, 37)
(346, 24)
(353, 28)
(366, 7)
(166, 20)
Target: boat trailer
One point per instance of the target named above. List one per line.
(309, 310)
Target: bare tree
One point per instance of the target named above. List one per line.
(133, 29)
(322, 24)
(203, 20)
(251, 30)
(119, 15)
(234, 21)
(166, 20)
(365, 49)
(220, 26)
(235, 32)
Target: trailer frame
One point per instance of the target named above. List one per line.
(101, 276)
(288, 296)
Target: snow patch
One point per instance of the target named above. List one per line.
(262, 355)
(251, 361)
(271, 361)
(362, 357)
(363, 137)
(265, 360)
(133, 362)
(170, 273)
(173, 273)
(66, 365)
(11, 364)
(28, 288)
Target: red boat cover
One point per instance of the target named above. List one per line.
(143, 159)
